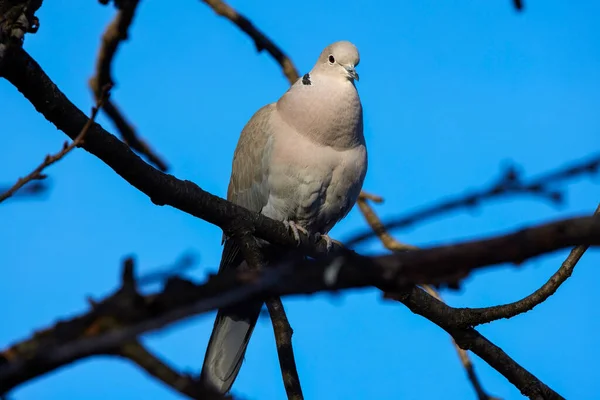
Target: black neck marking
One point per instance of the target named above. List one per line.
(306, 79)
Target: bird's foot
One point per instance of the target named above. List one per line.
(326, 238)
(295, 228)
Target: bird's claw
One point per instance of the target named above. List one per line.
(295, 228)
(326, 238)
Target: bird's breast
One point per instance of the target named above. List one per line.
(312, 184)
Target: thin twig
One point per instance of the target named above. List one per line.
(261, 41)
(281, 325)
(115, 34)
(392, 244)
(283, 338)
(509, 184)
(183, 264)
(518, 5)
(478, 316)
(374, 222)
(31, 189)
(50, 159)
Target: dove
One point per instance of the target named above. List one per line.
(301, 160)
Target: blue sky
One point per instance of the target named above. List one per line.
(452, 91)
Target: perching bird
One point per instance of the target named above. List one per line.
(301, 160)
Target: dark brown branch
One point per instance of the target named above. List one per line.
(186, 262)
(281, 326)
(261, 41)
(283, 338)
(50, 159)
(115, 34)
(163, 189)
(465, 360)
(459, 260)
(160, 370)
(126, 315)
(437, 311)
(478, 316)
(509, 185)
(30, 190)
(392, 244)
(25, 74)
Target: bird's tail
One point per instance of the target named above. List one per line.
(227, 346)
(233, 326)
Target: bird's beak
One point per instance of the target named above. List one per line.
(351, 72)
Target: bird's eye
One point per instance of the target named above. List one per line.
(331, 59)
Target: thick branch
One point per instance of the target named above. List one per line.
(437, 311)
(392, 244)
(163, 189)
(126, 314)
(463, 355)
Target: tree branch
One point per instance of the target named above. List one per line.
(283, 338)
(160, 370)
(126, 314)
(464, 357)
(117, 32)
(261, 41)
(163, 189)
(518, 4)
(50, 159)
(478, 316)
(421, 303)
(281, 326)
(392, 244)
(510, 184)
(31, 189)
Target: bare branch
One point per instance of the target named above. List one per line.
(283, 338)
(281, 326)
(478, 316)
(464, 357)
(421, 303)
(31, 189)
(377, 226)
(261, 41)
(115, 34)
(184, 263)
(27, 76)
(518, 5)
(392, 244)
(160, 370)
(50, 159)
(509, 185)
(126, 314)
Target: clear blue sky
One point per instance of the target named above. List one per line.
(452, 91)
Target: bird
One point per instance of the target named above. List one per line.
(301, 160)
